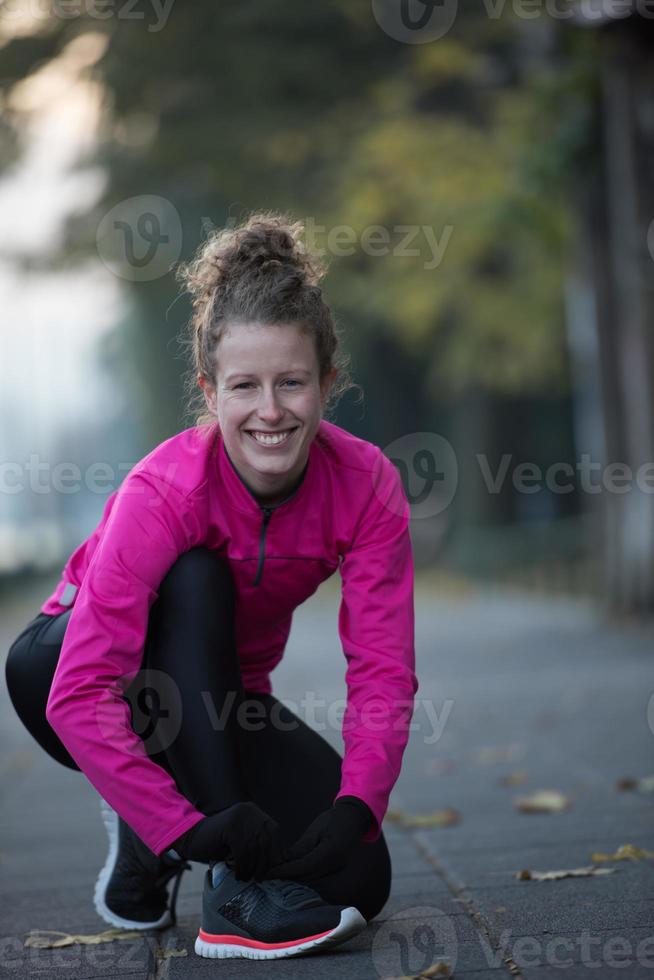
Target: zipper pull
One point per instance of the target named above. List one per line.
(267, 514)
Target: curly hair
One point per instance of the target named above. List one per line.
(257, 272)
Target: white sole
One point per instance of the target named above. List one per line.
(352, 922)
(110, 819)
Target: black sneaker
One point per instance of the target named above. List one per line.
(270, 919)
(131, 891)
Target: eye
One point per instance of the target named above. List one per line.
(293, 381)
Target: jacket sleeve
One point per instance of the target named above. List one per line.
(150, 524)
(376, 627)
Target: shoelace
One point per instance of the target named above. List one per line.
(169, 873)
(288, 889)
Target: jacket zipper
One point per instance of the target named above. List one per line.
(267, 514)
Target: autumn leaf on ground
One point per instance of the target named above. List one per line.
(514, 778)
(626, 852)
(438, 818)
(440, 969)
(164, 954)
(643, 785)
(528, 875)
(43, 938)
(542, 801)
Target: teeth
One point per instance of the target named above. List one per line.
(271, 440)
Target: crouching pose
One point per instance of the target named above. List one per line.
(148, 668)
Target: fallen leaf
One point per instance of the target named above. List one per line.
(643, 785)
(514, 778)
(626, 783)
(394, 816)
(438, 818)
(164, 954)
(626, 852)
(439, 969)
(446, 817)
(542, 801)
(39, 937)
(568, 873)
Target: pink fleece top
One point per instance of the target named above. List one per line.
(349, 513)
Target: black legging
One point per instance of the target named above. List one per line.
(275, 759)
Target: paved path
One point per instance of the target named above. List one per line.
(516, 684)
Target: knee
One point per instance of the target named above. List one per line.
(18, 676)
(197, 569)
(17, 670)
(12, 669)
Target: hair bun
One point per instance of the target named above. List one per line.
(268, 244)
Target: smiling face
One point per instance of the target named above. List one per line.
(267, 381)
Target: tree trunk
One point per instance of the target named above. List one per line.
(619, 211)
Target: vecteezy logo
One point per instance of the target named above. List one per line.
(429, 471)
(148, 701)
(155, 707)
(413, 940)
(415, 21)
(149, 231)
(423, 19)
(140, 238)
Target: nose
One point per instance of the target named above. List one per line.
(269, 410)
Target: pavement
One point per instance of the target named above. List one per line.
(518, 693)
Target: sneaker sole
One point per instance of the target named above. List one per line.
(225, 947)
(110, 819)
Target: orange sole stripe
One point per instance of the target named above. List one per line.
(254, 943)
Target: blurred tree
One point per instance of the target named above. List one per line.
(460, 150)
(612, 307)
(314, 109)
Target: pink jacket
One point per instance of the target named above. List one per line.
(349, 513)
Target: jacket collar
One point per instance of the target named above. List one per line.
(239, 495)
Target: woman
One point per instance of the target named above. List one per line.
(178, 606)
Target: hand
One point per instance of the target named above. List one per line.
(327, 843)
(243, 835)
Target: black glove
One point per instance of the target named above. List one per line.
(243, 835)
(327, 843)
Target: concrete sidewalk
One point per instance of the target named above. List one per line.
(508, 684)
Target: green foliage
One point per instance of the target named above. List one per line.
(311, 108)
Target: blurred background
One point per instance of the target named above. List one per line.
(480, 180)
